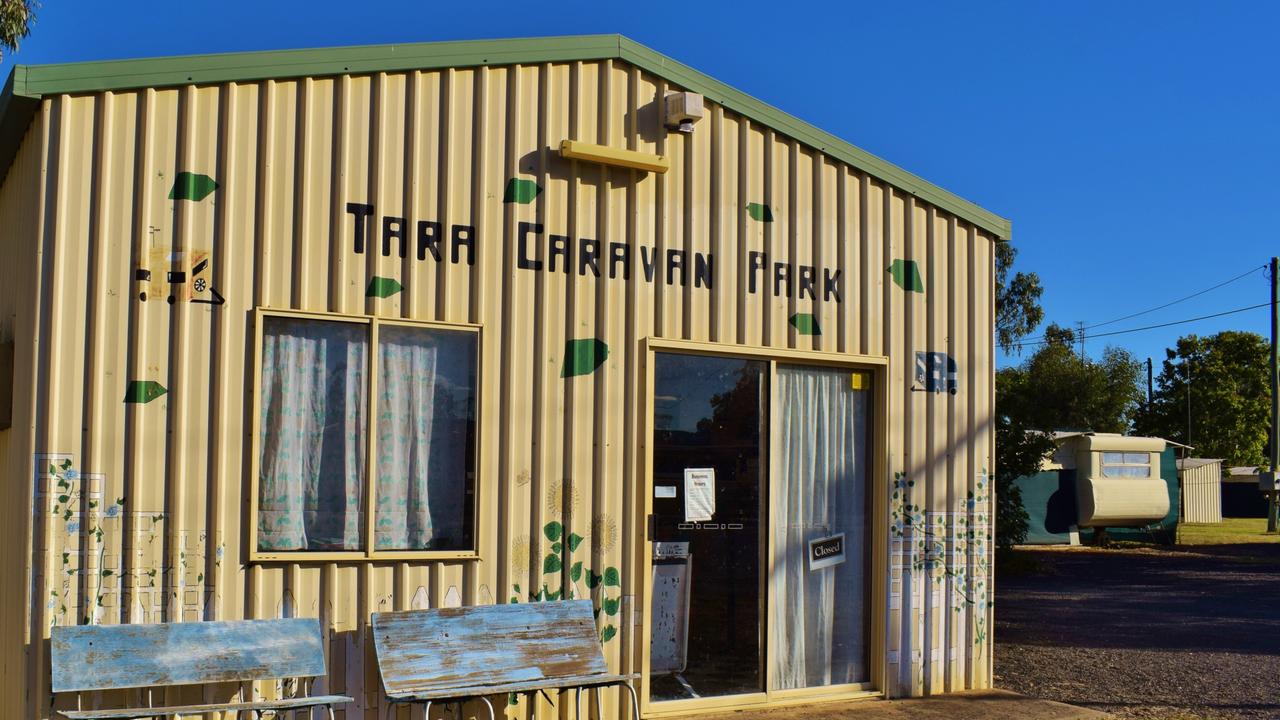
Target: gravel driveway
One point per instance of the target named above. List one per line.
(1141, 633)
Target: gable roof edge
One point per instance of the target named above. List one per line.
(28, 83)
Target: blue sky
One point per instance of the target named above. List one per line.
(1134, 145)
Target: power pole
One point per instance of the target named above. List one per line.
(1273, 508)
(1148, 384)
(1080, 335)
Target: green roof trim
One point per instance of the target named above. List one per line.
(28, 83)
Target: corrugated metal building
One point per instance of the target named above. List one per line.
(1201, 480)
(744, 336)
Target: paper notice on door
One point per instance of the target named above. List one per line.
(664, 491)
(699, 494)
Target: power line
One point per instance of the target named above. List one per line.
(1080, 330)
(1153, 327)
(1175, 302)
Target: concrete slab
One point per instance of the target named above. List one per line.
(978, 704)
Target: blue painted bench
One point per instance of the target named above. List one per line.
(114, 657)
(452, 655)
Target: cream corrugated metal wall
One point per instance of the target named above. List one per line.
(165, 481)
(20, 206)
(1202, 493)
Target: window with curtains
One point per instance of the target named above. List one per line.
(356, 413)
(1126, 464)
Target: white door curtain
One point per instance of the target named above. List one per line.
(819, 632)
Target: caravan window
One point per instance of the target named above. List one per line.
(1126, 464)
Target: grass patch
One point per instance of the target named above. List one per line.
(1231, 531)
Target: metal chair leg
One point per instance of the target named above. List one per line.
(599, 705)
(577, 703)
(635, 701)
(490, 706)
(330, 709)
(426, 715)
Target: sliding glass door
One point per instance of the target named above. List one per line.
(708, 460)
(759, 576)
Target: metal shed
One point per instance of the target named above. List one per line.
(1242, 495)
(1201, 480)
(327, 332)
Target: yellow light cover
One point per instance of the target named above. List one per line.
(604, 155)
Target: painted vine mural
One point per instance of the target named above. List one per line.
(926, 537)
(605, 588)
(94, 574)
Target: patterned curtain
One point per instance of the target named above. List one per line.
(312, 435)
(406, 412)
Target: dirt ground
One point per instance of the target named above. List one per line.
(1189, 632)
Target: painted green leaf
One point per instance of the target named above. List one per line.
(907, 275)
(381, 287)
(760, 211)
(521, 191)
(513, 699)
(611, 578)
(192, 186)
(593, 580)
(583, 356)
(608, 633)
(553, 530)
(551, 563)
(517, 588)
(554, 595)
(575, 572)
(557, 548)
(574, 541)
(611, 606)
(805, 324)
(143, 391)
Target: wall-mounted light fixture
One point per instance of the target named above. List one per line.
(682, 110)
